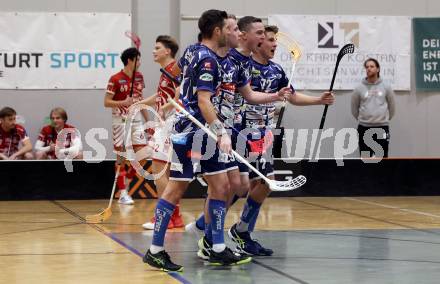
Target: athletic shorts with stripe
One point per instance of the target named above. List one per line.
(194, 150)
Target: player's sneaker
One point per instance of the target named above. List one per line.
(245, 244)
(177, 221)
(192, 228)
(125, 199)
(162, 261)
(205, 248)
(227, 257)
(150, 224)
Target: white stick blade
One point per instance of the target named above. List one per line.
(288, 185)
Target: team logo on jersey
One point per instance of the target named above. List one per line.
(227, 76)
(246, 73)
(189, 57)
(206, 77)
(256, 72)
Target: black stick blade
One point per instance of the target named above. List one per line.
(348, 48)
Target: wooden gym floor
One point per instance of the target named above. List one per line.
(316, 240)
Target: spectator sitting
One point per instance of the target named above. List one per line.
(51, 145)
(11, 134)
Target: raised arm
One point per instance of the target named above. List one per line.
(300, 99)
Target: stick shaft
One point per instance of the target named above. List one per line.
(213, 136)
(324, 114)
(118, 167)
(283, 107)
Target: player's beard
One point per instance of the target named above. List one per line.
(222, 41)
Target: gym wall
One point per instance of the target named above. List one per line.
(414, 131)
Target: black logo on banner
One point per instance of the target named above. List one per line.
(326, 35)
(333, 35)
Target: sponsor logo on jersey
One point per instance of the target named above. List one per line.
(229, 87)
(206, 77)
(255, 72)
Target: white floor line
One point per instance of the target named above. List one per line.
(393, 207)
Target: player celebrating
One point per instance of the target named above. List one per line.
(268, 77)
(119, 100)
(236, 86)
(200, 82)
(47, 140)
(164, 53)
(11, 134)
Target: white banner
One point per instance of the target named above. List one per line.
(61, 50)
(385, 38)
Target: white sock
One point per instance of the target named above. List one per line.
(218, 247)
(242, 226)
(156, 249)
(123, 192)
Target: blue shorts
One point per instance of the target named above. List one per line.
(193, 151)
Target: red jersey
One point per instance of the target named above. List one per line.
(165, 88)
(49, 135)
(119, 86)
(9, 141)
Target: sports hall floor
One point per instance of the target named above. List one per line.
(316, 240)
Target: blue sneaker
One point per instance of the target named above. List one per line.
(245, 244)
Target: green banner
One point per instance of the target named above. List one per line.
(427, 53)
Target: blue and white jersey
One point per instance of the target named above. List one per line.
(242, 66)
(224, 102)
(201, 74)
(268, 78)
(187, 56)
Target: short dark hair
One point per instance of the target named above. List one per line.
(271, 29)
(62, 112)
(169, 43)
(129, 53)
(7, 111)
(210, 20)
(199, 37)
(375, 63)
(245, 22)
